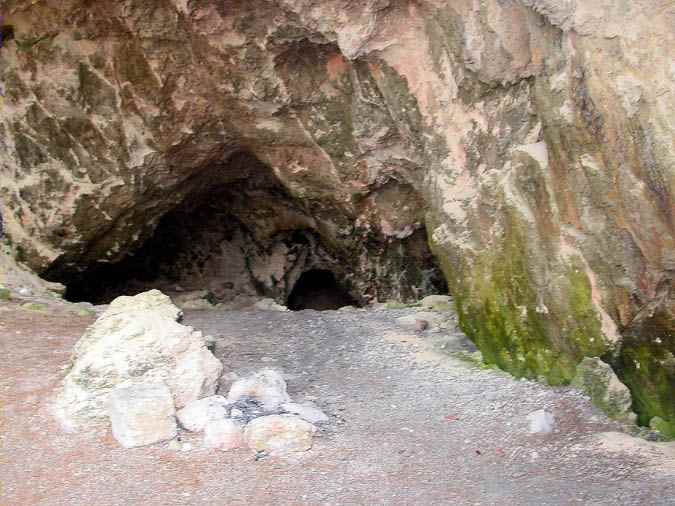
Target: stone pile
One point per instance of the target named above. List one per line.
(140, 369)
(257, 413)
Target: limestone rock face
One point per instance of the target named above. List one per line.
(142, 414)
(137, 339)
(530, 142)
(597, 379)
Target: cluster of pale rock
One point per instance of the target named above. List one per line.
(142, 370)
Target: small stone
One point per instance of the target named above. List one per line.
(24, 291)
(421, 325)
(223, 434)
(197, 414)
(279, 434)
(434, 320)
(142, 414)
(267, 386)
(307, 411)
(174, 445)
(541, 422)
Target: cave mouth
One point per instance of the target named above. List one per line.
(318, 289)
(237, 234)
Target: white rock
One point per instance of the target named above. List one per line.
(435, 300)
(307, 411)
(279, 434)
(24, 291)
(142, 414)
(541, 422)
(269, 305)
(136, 339)
(224, 434)
(266, 386)
(196, 414)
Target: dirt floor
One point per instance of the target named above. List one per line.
(409, 425)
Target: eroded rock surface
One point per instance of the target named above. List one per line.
(532, 139)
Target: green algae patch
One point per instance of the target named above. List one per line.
(597, 380)
(5, 294)
(646, 364)
(35, 306)
(527, 330)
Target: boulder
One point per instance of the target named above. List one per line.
(435, 301)
(224, 434)
(597, 380)
(142, 414)
(279, 434)
(267, 387)
(307, 411)
(197, 414)
(137, 339)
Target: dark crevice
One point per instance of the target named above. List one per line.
(318, 289)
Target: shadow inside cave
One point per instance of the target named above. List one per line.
(318, 289)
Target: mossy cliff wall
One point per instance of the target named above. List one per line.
(533, 139)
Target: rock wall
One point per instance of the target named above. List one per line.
(533, 139)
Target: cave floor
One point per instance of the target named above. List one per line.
(409, 425)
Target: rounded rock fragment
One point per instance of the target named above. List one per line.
(279, 434)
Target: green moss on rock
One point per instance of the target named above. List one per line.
(646, 364)
(501, 310)
(597, 380)
(35, 306)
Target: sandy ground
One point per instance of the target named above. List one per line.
(408, 425)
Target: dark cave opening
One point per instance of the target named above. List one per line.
(237, 235)
(318, 289)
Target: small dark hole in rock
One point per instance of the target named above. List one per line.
(6, 33)
(318, 289)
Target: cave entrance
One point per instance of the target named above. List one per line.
(318, 289)
(234, 234)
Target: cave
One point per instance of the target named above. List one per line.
(237, 234)
(319, 290)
